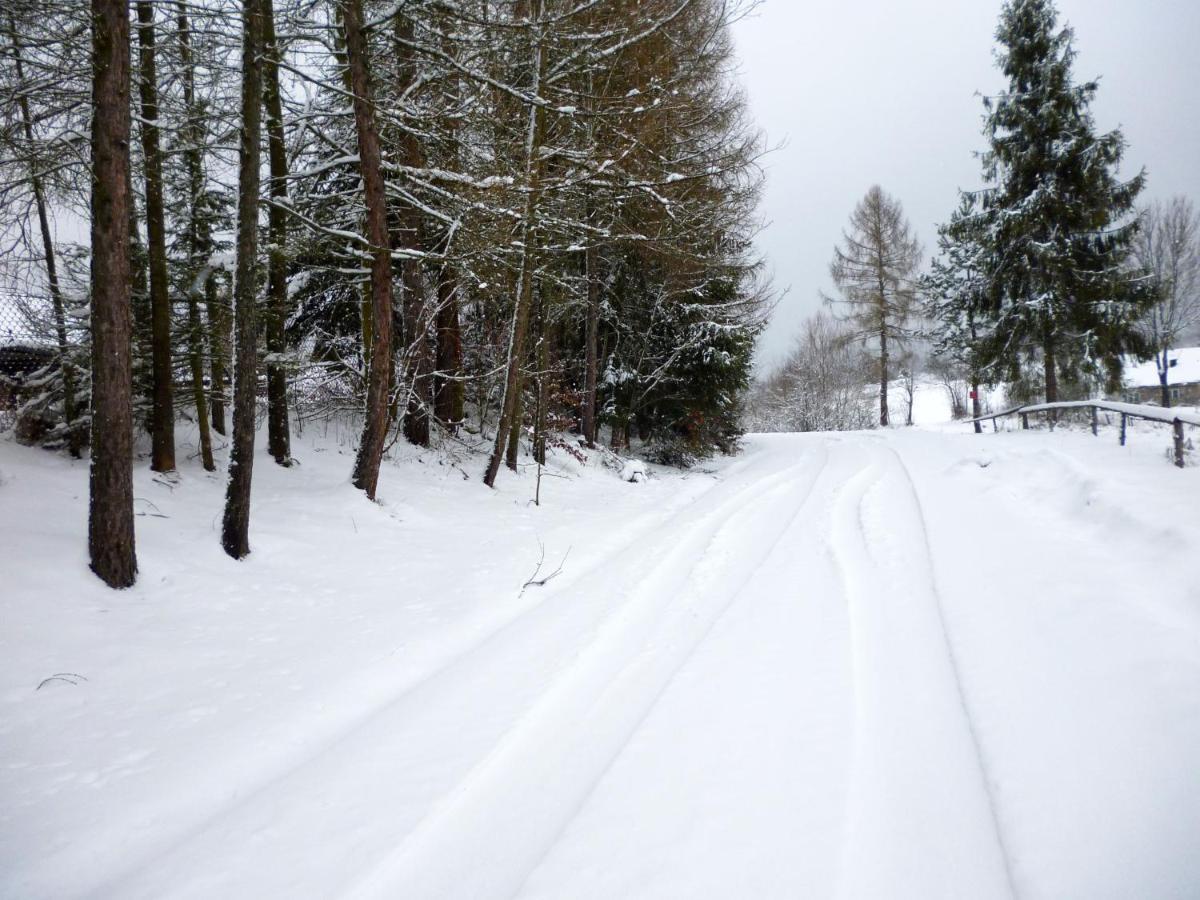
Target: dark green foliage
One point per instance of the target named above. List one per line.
(1047, 240)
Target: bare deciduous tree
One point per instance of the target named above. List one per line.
(1168, 248)
(875, 271)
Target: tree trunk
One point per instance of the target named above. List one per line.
(235, 534)
(514, 431)
(1050, 370)
(976, 408)
(143, 379)
(524, 294)
(592, 338)
(1164, 364)
(448, 392)
(375, 426)
(278, 434)
(419, 356)
(197, 242)
(74, 436)
(883, 376)
(218, 326)
(110, 510)
(162, 409)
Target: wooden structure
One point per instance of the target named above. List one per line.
(1174, 417)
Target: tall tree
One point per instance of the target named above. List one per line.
(57, 301)
(954, 299)
(278, 432)
(110, 511)
(1054, 214)
(875, 270)
(197, 231)
(236, 525)
(162, 410)
(375, 425)
(507, 429)
(1167, 248)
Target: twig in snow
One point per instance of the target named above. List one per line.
(61, 676)
(534, 581)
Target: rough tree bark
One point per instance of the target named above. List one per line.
(235, 532)
(524, 294)
(278, 433)
(448, 391)
(198, 241)
(110, 510)
(375, 426)
(410, 236)
(591, 258)
(162, 409)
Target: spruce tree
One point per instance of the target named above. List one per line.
(1054, 216)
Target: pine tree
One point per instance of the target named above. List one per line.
(110, 513)
(235, 530)
(1054, 216)
(954, 301)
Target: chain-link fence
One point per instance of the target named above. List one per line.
(33, 345)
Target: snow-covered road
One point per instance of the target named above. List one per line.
(886, 665)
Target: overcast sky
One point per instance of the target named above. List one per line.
(884, 92)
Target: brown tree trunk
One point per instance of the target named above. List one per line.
(1050, 369)
(74, 435)
(162, 409)
(375, 426)
(1164, 368)
(218, 326)
(110, 510)
(524, 294)
(883, 376)
(410, 236)
(278, 434)
(448, 392)
(197, 243)
(592, 338)
(512, 452)
(143, 379)
(235, 532)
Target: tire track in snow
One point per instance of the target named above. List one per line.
(956, 669)
(920, 817)
(579, 727)
(353, 767)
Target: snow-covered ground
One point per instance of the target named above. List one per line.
(899, 664)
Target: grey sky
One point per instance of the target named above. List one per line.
(884, 91)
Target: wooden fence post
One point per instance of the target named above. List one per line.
(1179, 443)
(1025, 421)
(1123, 418)
(1095, 424)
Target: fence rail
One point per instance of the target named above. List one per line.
(1176, 418)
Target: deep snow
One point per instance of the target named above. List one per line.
(906, 663)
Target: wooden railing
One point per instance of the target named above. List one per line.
(1176, 418)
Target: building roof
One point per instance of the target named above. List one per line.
(1185, 371)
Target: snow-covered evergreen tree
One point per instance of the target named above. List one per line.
(1054, 217)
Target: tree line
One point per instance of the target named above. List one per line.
(1046, 280)
(522, 217)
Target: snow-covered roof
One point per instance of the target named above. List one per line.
(1185, 371)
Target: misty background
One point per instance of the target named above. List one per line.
(888, 92)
